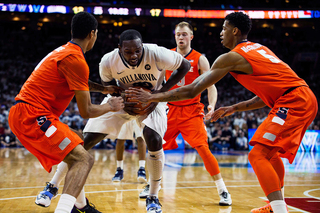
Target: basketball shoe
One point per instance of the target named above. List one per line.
(146, 191)
(265, 209)
(44, 197)
(225, 199)
(153, 205)
(142, 175)
(118, 176)
(89, 208)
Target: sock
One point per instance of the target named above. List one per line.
(59, 174)
(65, 204)
(279, 206)
(155, 167)
(81, 200)
(120, 164)
(221, 187)
(142, 163)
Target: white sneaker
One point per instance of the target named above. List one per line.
(146, 191)
(225, 199)
(44, 197)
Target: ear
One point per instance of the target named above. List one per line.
(191, 37)
(236, 31)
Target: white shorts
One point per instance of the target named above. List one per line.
(112, 122)
(130, 131)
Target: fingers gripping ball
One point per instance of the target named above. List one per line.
(135, 109)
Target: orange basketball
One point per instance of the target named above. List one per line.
(140, 107)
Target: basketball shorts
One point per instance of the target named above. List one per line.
(187, 120)
(287, 122)
(112, 122)
(41, 132)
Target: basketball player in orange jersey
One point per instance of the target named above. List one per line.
(34, 118)
(186, 117)
(293, 105)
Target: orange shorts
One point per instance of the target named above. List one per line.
(187, 120)
(287, 122)
(41, 132)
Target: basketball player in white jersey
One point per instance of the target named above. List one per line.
(136, 64)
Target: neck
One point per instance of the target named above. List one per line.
(184, 51)
(82, 43)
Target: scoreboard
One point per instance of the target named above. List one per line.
(158, 12)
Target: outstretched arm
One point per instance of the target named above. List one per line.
(109, 89)
(222, 65)
(253, 103)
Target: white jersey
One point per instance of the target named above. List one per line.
(150, 71)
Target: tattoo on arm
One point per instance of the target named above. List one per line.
(94, 87)
(253, 101)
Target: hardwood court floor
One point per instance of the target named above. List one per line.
(186, 186)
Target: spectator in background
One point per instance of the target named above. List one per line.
(241, 141)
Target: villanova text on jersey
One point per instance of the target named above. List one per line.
(138, 78)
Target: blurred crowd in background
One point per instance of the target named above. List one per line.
(25, 43)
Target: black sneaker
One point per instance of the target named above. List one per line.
(153, 205)
(89, 208)
(118, 176)
(44, 197)
(142, 175)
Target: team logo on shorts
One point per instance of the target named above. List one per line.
(41, 120)
(147, 67)
(282, 112)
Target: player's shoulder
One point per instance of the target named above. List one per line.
(110, 56)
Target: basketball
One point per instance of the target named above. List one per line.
(138, 108)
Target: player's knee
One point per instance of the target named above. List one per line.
(91, 139)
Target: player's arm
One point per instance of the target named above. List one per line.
(177, 75)
(222, 65)
(204, 66)
(253, 103)
(105, 88)
(89, 110)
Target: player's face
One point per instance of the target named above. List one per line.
(131, 51)
(183, 37)
(93, 40)
(226, 35)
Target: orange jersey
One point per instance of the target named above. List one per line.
(52, 83)
(271, 77)
(193, 57)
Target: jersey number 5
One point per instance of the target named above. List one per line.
(270, 57)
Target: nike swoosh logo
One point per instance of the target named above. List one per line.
(81, 211)
(119, 72)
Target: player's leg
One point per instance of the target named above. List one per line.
(51, 189)
(80, 163)
(259, 158)
(194, 132)
(142, 159)
(82, 203)
(155, 163)
(119, 152)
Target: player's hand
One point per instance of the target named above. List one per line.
(138, 94)
(210, 112)
(111, 89)
(219, 113)
(116, 103)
